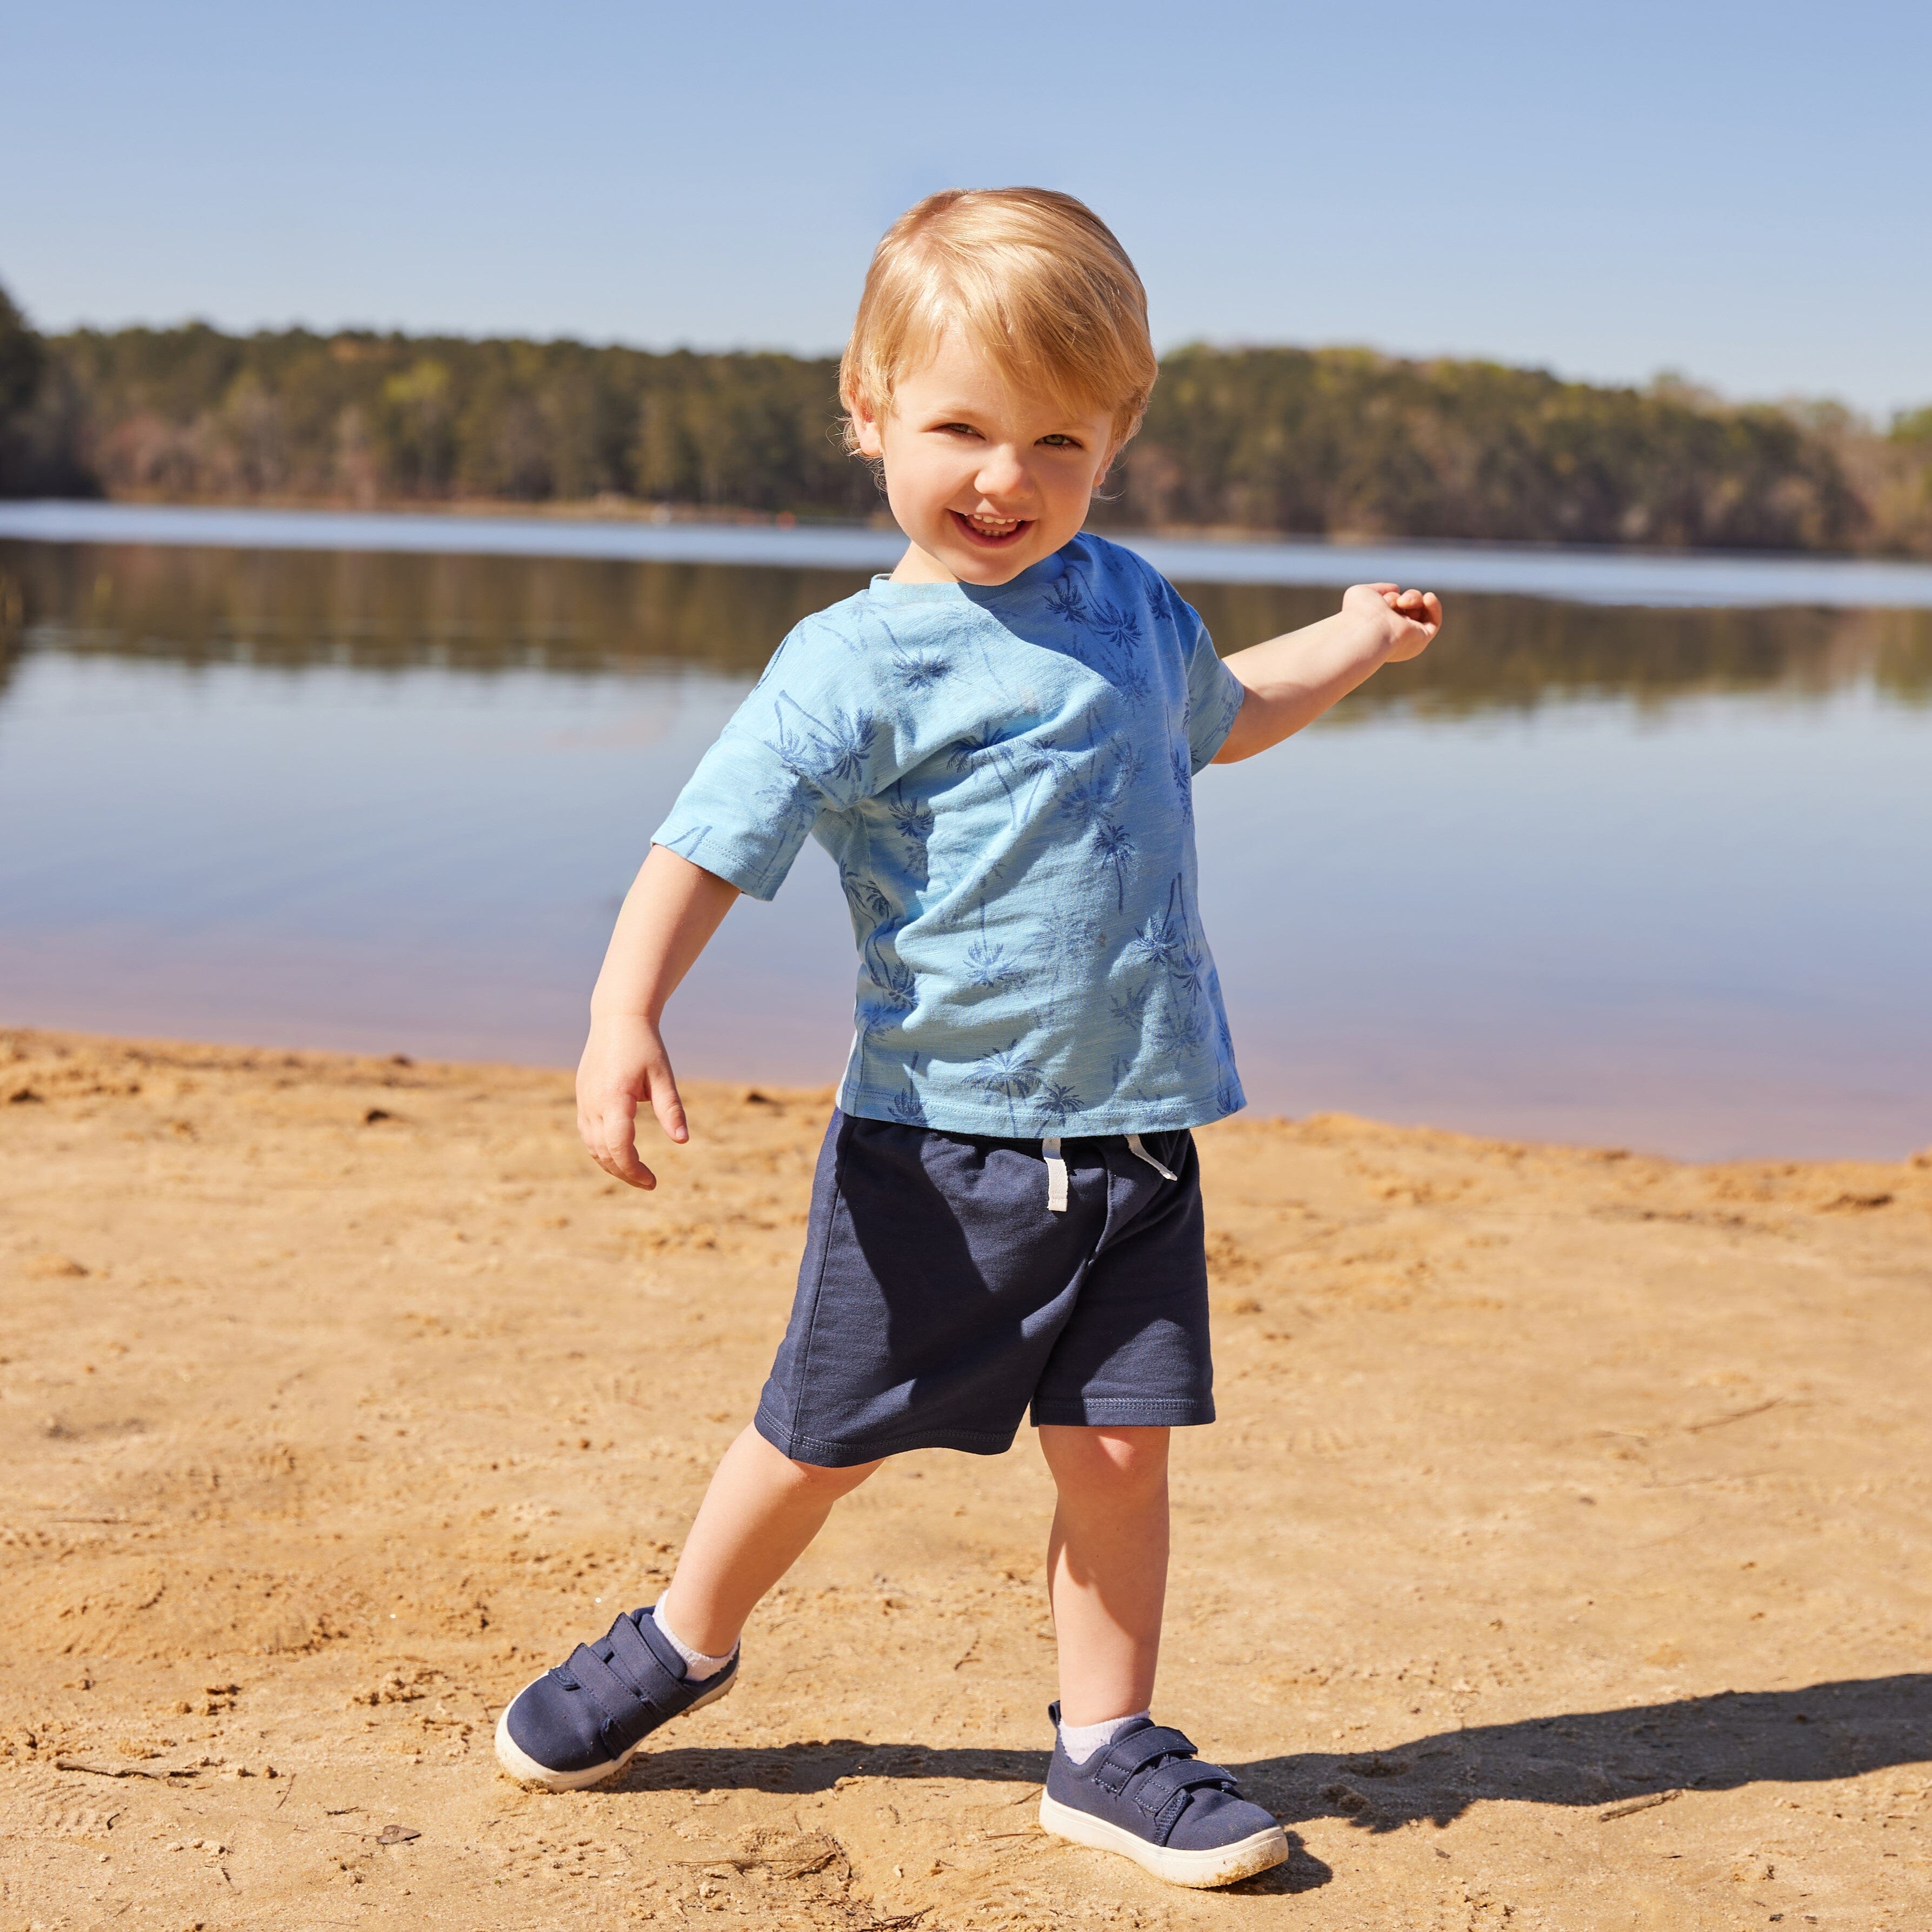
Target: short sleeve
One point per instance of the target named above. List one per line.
(806, 741)
(1214, 695)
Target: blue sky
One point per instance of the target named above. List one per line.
(1741, 193)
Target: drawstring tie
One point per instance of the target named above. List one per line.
(1056, 1175)
(1135, 1148)
(1056, 1169)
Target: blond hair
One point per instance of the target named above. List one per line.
(1032, 278)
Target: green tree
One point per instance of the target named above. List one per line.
(23, 363)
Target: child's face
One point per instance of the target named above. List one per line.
(984, 478)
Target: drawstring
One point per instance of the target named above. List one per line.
(1056, 1169)
(1056, 1175)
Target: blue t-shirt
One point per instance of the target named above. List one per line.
(1005, 778)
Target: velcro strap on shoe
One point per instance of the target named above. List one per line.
(1125, 1756)
(1168, 1781)
(634, 1659)
(618, 1700)
(629, 1708)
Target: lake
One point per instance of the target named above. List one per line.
(1638, 854)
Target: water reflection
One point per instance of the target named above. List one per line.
(1650, 877)
(387, 611)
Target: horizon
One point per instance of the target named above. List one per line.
(1721, 205)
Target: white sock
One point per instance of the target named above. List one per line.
(1080, 1741)
(697, 1665)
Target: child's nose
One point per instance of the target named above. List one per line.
(1002, 474)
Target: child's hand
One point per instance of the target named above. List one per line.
(624, 1065)
(1409, 619)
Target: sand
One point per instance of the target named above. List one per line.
(1561, 1559)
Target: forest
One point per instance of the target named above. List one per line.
(1319, 441)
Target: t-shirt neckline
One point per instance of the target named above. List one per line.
(1033, 579)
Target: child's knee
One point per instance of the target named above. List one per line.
(816, 1478)
(1122, 1460)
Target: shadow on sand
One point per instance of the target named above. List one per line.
(1582, 1758)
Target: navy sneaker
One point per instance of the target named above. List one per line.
(1148, 1796)
(582, 1722)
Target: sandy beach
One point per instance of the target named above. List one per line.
(1562, 1557)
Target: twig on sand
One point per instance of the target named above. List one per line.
(1735, 1415)
(1630, 1804)
(127, 1770)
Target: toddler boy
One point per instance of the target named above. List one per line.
(997, 744)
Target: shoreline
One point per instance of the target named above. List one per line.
(1584, 574)
(342, 1394)
(612, 509)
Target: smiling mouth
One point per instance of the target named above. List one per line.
(992, 533)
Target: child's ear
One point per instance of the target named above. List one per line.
(865, 429)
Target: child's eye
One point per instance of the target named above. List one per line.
(1058, 441)
(957, 429)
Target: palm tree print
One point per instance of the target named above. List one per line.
(790, 803)
(686, 843)
(1119, 634)
(1115, 844)
(827, 753)
(1045, 765)
(1007, 1075)
(907, 671)
(1114, 770)
(918, 670)
(986, 963)
(891, 992)
(1166, 942)
(1129, 1007)
(963, 754)
(1058, 1103)
(1067, 599)
(912, 818)
(1183, 784)
(895, 982)
(863, 895)
(907, 1108)
(1175, 1033)
(1118, 629)
(1169, 603)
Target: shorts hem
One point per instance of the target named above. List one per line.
(1127, 1410)
(823, 1455)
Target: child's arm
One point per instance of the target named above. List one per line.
(1291, 680)
(669, 915)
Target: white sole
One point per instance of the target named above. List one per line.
(1223, 1865)
(526, 1770)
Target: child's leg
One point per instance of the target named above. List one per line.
(1106, 1565)
(760, 1512)
(582, 1722)
(1137, 1788)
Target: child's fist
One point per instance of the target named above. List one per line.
(1409, 619)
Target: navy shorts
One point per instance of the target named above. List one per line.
(940, 1296)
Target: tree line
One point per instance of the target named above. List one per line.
(1333, 442)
